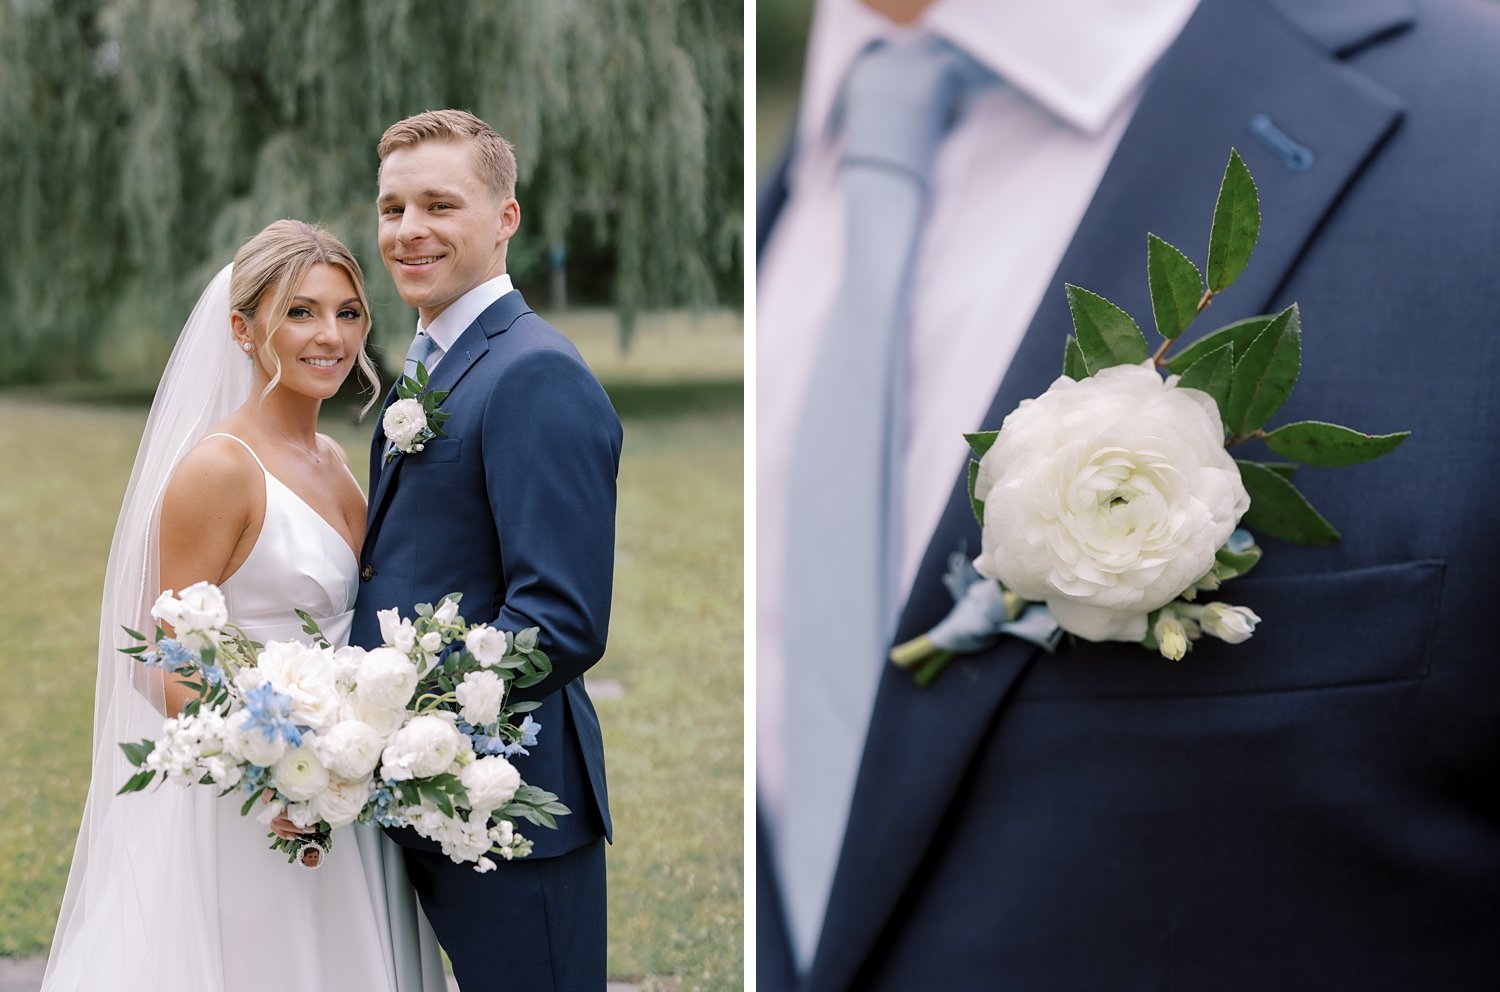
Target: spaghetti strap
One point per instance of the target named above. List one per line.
(243, 445)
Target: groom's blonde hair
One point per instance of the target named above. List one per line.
(493, 155)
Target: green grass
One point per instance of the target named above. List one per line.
(673, 738)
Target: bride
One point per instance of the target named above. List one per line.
(172, 890)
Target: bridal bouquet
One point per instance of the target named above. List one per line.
(329, 737)
(1110, 503)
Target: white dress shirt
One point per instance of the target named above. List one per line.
(462, 312)
(1010, 184)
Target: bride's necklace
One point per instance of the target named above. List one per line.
(310, 452)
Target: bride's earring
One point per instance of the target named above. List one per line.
(246, 345)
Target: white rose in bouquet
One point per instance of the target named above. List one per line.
(1107, 497)
(299, 775)
(479, 697)
(385, 720)
(196, 616)
(386, 678)
(251, 744)
(349, 749)
(426, 746)
(346, 662)
(341, 802)
(398, 633)
(431, 642)
(486, 644)
(490, 782)
(403, 421)
(305, 674)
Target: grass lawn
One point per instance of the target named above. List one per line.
(669, 689)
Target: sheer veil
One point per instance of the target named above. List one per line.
(143, 868)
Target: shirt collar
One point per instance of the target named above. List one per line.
(462, 312)
(1080, 60)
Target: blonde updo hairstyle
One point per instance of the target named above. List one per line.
(270, 268)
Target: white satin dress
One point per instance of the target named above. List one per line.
(324, 929)
(187, 896)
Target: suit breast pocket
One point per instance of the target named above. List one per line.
(1317, 631)
(438, 451)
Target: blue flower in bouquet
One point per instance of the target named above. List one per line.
(529, 729)
(271, 713)
(171, 655)
(213, 675)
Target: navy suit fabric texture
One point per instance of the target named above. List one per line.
(514, 508)
(1314, 808)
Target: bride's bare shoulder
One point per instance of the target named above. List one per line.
(219, 472)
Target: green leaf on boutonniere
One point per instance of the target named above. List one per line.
(1176, 287)
(1236, 225)
(1278, 509)
(1232, 564)
(1240, 334)
(405, 390)
(1212, 374)
(980, 442)
(1106, 334)
(1315, 443)
(421, 376)
(1284, 469)
(1074, 367)
(975, 503)
(1265, 375)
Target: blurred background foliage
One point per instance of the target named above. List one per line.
(141, 141)
(781, 28)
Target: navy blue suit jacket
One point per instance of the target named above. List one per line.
(514, 507)
(1316, 808)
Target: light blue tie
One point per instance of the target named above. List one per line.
(422, 346)
(843, 529)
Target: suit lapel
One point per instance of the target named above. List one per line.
(1234, 60)
(456, 363)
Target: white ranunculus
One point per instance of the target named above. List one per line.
(306, 674)
(299, 775)
(426, 746)
(341, 802)
(350, 749)
(479, 697)
(386, 678)
(1107, 497)
(490, 782)
(251, 744)
(396, 632)
(403, 421)
(486, 644)
(431, 642)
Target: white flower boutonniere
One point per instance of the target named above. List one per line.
(414, 419)
(1111, 501)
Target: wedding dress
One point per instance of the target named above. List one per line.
(172, 890)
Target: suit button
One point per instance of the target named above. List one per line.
(367, 573)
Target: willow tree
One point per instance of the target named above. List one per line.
(147, 138)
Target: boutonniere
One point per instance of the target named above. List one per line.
(414, 419)
(1113, 499)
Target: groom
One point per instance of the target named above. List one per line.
(514, 507)
(1313, 809)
